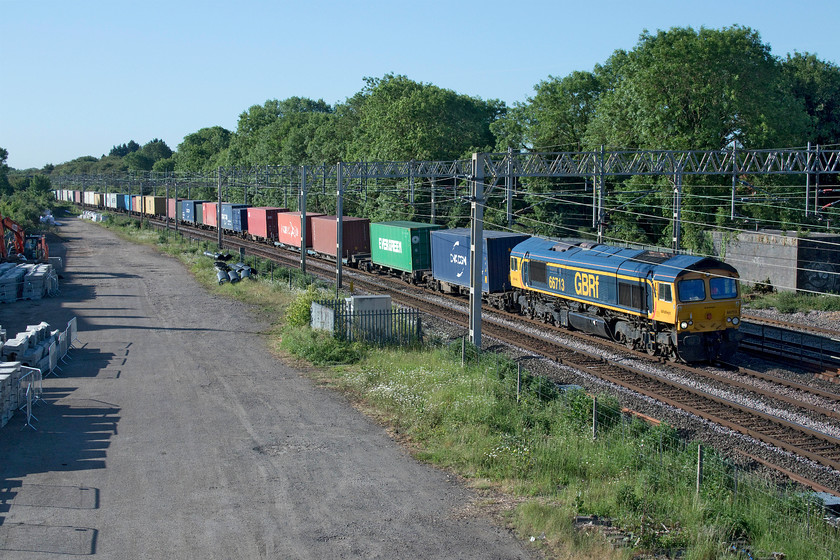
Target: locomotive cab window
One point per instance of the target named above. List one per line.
(692, 290)
(514, 264)
(723, 288)
(664, 292)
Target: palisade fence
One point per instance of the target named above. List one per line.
(726, 494)
(394, 327)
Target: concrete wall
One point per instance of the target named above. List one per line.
(790, 262)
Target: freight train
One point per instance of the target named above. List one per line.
(679, 307)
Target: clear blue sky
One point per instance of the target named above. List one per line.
(81, 76)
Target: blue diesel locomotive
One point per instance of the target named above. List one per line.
(676, 306)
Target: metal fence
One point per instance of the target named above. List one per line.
(397, 326)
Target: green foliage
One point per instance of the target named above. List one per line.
(400, 119)
(321, 348)
(687, 89)
(203, 150)
(792, 302)
(299, 312)
(817, 84)
(556, 118)
(123, 150)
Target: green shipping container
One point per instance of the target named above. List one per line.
(402, 245)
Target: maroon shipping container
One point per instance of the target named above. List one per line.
(77, 197)
(262, 221)
(172, 206)
(210, 217)
(288, 228)
(355, 239)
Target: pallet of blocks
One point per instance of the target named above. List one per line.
(10, 386)
(11, 283)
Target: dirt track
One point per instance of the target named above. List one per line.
(174, 434)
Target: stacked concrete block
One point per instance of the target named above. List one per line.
(31, 347)
(10, 390)
(27, 281)
(35, 283)
(14, 349)
(11, 284)
(5, 398)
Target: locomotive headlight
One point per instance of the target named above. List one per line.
(729, 319)
(735, 320)
(684, 325)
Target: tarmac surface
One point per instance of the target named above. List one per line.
(173, 433)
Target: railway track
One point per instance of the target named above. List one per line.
(783, 434)
(813, 349)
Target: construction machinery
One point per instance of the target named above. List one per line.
(20, 245)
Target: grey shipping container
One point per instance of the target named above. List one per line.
(451, 257)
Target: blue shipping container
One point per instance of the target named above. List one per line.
(122, 203)
(239, 219)
(227, 214)
(188, 210)
(451, 257)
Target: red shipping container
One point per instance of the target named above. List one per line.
(288, 228)
(77, 197)
(210, 217)
(262, 221)
(172, 206)
(355, 239)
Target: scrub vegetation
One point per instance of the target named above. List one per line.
(527, 447)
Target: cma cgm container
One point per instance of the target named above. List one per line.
(451, 258)
(262, 222)
(209, 217)
(232, 216)
(154, 205)
(288, 228)
(401, 245)
(355, 238)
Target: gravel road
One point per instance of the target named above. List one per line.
(173, 433)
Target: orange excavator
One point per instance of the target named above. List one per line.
(21, 246)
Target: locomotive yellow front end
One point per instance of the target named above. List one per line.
(707, 314)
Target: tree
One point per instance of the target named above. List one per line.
(556, 118)
(202, 150)
(399, 119)
(687, 89)
(156, 150)
(123, 150)
(817, 84)
(251, 129)
(5, 187)
(139, 161)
